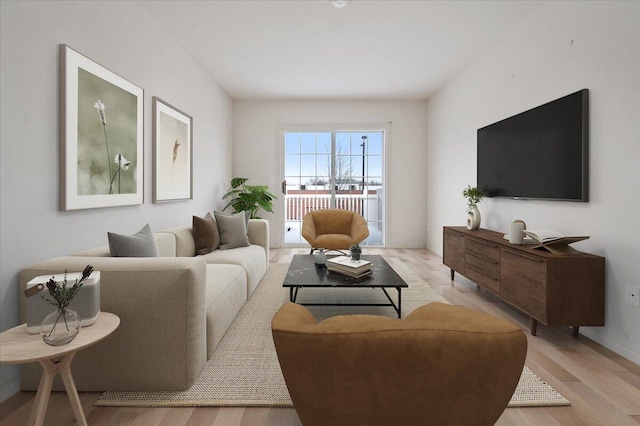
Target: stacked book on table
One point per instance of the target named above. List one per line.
(352, 268)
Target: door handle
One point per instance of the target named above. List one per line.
(284, 187)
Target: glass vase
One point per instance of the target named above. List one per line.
(60, 327)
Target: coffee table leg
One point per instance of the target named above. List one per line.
(399, 302)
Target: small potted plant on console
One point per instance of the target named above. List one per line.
(473, 196)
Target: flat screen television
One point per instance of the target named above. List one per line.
(541, 153)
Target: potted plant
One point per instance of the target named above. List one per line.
(355, 251)
(249, 197)
(62, 325)
(474, 197)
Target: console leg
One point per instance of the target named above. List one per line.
(533, 325)
(453, 274)
(576, 331)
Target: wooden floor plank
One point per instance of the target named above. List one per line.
(603, 387)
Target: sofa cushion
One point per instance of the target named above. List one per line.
(251, 258)
(205, 234)
(225, 294)
(233, 230)
(140, 244)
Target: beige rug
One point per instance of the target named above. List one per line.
(244, 368)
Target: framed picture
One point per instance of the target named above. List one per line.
(101, 135)
(172, 153)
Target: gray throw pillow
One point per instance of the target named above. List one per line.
(205, 234)
(140, 244)
(233, 230)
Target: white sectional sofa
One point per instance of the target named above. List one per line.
(174, 309)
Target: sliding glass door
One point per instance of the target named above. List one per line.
(333, 169)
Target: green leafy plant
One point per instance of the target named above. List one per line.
(355, 249)
(249, 197)
(473, 196)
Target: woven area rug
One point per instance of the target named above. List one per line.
(244, 370)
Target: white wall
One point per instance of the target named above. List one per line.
(256, 154)
(122, 37)
(560, 48)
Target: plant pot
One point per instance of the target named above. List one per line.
(473, 219)
(355, 256)
(60, 327)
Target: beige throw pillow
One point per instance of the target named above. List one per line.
(205, 234)
(232, 229)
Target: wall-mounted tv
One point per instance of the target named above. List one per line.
(541, 153)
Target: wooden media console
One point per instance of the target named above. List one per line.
(553, 289)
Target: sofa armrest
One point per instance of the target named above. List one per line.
(258, 233)
(161, 341)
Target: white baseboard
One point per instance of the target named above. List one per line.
(10, 387)
(610, 344)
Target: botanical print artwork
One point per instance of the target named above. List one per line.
(172, 154)
(101, 135)
(107, 137)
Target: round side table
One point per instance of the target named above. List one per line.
(17, 346)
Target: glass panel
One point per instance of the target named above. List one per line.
(374, 143)
(374, 166)
(343, 143)
(292, 143)
(292, 165)
(308, 143)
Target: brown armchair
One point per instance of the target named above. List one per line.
(443, 364)
(333, 229)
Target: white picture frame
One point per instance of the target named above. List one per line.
(101, 136)
(172, 153)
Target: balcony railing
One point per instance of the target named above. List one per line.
(299, 203)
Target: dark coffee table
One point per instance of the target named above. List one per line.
(304, 274)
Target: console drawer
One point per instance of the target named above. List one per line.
(483, 249)
(490, 283)
(486, 266)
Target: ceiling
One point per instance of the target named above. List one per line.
(308, 49)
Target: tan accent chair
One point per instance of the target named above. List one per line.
(442, 365)
(333, 229)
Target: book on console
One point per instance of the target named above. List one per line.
(544, 235)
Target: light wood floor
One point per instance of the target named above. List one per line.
(604, 388)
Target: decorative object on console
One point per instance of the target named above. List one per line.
(249, 198)
(101, 135)
(356, 251)
(516, 232)
(473, 196)
(62, 325)
(172, 153)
